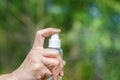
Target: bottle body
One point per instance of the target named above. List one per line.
(61, 53)
(55, 43)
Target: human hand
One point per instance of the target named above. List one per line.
(41, 63)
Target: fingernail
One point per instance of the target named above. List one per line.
(59, 30)
(61, 73)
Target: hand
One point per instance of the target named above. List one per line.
(41, 63)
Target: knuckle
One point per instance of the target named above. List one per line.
(38, 32)
(56, 62)
(48, 74)
(37, 71)
(62, 65)
(37, 67)
(32, 58)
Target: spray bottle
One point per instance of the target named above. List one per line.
(55, 43)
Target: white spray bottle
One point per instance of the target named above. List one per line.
(55, 43)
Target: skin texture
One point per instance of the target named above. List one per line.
(40, 63)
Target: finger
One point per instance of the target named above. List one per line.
(55, 77)
(41, 34)
(59, 71)
(49, 53)
(62, 71)
(41, 72)
(47, 73)
(50, 62)
(54, 65)
(55, 74)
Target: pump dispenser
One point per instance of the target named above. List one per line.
(55, 43)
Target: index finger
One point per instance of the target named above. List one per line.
(41, 34)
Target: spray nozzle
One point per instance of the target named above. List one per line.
(55, 36)
(54, 41)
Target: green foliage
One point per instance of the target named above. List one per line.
(90, 34)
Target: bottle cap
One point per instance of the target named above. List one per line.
(54, 41)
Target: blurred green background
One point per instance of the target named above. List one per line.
(90, 34)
